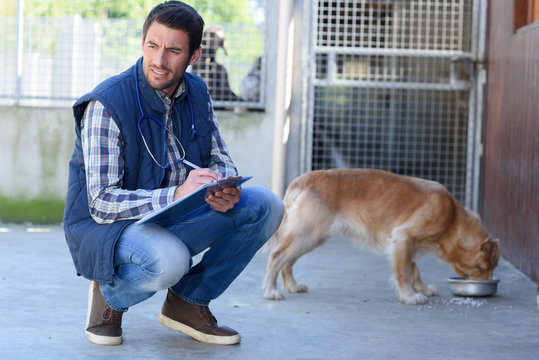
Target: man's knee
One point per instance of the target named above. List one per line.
(159, 254)
(269, 206)
(170, 265)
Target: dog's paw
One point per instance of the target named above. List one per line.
(429, 290)
(295, 288)
(273, 294)
(415, 299)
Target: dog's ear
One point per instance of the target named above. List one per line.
(490, 251)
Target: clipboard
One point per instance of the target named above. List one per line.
(193, 201)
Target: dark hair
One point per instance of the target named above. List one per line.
(180, 16)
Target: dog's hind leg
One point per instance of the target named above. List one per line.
(306, 227)
(289, 283)
(283, 259)
(298, 238)
(304, 243)
(275, 263)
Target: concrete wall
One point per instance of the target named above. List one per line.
(36, 145)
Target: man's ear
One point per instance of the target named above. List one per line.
(195, 56)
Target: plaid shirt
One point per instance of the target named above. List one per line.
(103, 159)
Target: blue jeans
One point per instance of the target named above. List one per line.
(153, 257)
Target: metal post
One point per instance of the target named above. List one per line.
(282, 94)
(20, 44)
(480, 84)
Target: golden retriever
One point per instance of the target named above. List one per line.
(397, 215)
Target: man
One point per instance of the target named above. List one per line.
(134, 132)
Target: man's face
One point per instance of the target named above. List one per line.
(165, 53)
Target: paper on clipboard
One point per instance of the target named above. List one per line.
(192, 201)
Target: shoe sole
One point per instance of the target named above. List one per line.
(200, 336)
(103, 340)
(93, 338)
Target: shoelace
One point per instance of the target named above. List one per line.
(114, 317)
(206, 314)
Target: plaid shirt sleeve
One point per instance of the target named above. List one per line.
(103, 158)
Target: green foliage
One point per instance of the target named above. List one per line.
(118, 9)
(36, 211)
(231, 11)
(8, 8)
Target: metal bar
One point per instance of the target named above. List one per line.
(282, 73)
(308, 132)
(393, 52)
(20, 47)
(481, 79)
(471, 120)
(240, 104)
(457, 85)
(308, 61)
(472, 106)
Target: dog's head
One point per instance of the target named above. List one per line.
(471, 251)
(476, 260)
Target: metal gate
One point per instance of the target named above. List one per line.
(395, 85)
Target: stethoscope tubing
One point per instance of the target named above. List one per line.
(160, 123)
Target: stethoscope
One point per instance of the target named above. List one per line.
(167, 130)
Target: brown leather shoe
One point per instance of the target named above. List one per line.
(103, 325)
(196, 321)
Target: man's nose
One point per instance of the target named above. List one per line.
(160, 58)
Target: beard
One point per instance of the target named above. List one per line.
(167, 83)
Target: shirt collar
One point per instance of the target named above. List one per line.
(179, 91)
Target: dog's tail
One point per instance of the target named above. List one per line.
(289, 200)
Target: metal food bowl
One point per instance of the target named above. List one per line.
(462, 287)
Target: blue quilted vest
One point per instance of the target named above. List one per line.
(92, 244)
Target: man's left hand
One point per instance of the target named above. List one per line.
(225, 199)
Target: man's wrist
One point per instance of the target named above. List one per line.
(178, 192)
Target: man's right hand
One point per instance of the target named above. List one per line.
(194, 181)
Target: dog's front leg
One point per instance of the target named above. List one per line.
(402, 249)
(419, 286)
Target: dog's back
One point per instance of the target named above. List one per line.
(372, 202)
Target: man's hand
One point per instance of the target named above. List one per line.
(194, 181)
(225, 199)
(222, 200)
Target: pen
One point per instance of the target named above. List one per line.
(190, 164)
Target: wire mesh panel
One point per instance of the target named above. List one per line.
(391, 88)
(56, 50)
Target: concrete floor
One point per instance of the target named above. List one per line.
(350, 312)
